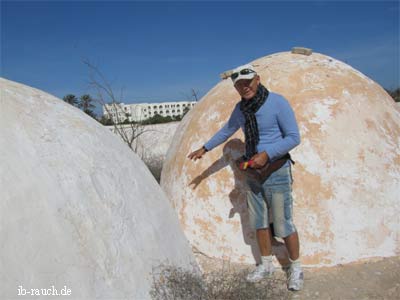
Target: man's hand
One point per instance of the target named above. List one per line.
(259, 160)
(195, 155)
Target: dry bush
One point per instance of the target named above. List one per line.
(175, 283)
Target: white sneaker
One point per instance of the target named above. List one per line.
(295, 278)
(261, 272)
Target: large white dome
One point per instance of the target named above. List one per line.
(78, 207)
(346, 177)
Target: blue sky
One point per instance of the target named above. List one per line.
(159, 51)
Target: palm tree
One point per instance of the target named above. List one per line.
(85, 103)
(71, 99)
(395, 94)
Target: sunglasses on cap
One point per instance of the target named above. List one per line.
(241, 72)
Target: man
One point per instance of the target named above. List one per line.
(271, 131)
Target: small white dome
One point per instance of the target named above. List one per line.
(78, 207)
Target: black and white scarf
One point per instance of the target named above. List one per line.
(249, 108)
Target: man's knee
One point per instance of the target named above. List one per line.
(284, 228)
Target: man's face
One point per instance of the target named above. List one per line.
(247, 88)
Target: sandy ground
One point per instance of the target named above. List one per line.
(369, 280)
(377, 279)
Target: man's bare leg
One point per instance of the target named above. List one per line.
(295, 273)
(292, 245)
(264, 241)
(266, 268)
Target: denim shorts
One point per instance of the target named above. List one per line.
(274, 194)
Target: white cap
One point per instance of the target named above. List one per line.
(243, 72)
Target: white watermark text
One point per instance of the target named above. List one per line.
(51, 291)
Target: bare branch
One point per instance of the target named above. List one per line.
(112, 105)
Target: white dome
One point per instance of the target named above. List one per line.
(78, 207)
(346, 176)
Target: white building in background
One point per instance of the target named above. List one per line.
(119, 112)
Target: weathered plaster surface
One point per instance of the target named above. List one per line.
(346, 177)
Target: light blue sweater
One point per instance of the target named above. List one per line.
(277, 127)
